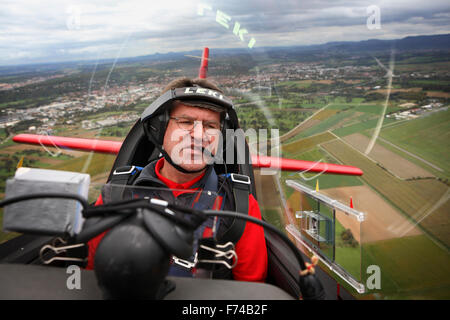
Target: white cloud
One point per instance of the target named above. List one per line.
(62, 30)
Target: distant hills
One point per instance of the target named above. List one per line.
(431, 42)
(436, 42)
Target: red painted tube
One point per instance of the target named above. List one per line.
(202, 73)
(113, 147)
(302, 165)
(102, 146)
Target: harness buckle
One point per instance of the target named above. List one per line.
(124, 172)
(186, 263)
(240, 178)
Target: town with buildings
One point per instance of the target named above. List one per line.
(291, 81)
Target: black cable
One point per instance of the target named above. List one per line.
(121, 202)
(140, 203)
(12, 200)
(201, 215)
(104, 224)
(198, 213)
(105, 209)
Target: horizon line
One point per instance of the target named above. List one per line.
(88, 60)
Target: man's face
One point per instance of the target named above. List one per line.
(191, 135)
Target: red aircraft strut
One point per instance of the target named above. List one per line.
(113, 147)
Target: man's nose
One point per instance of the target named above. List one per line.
(198, 131)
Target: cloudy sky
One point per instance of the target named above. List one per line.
(53, 31)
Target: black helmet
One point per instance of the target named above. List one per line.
(143, 143)
(155, 117)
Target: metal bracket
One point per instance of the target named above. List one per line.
(231, 253)
(218, 254)
(58, 250)
(186, 263)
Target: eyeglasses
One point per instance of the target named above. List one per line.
(188, 124)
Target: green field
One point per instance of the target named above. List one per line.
(366, 108)
(422, 67)
(324, 114)
(423, 82)
(427, 137)
(292, 85)
(414, 198)
(326, 124)
(359, 127)
(350, 118)
(273, 217)
(293, 149)
(96, 164)
(103, 115)
(116, 131)
(408, 157)
(25, 103)
(411, 268)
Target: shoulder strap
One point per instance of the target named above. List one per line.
(241, 191)
(206, 199)
(125, 175)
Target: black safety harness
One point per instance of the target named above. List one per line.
(208, 249)
(240, 185)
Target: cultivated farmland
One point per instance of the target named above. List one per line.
(396, 164)
(382, 220)
(294, 148)
(415, 199)
(427, 137)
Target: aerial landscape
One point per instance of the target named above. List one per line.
(379, 105)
